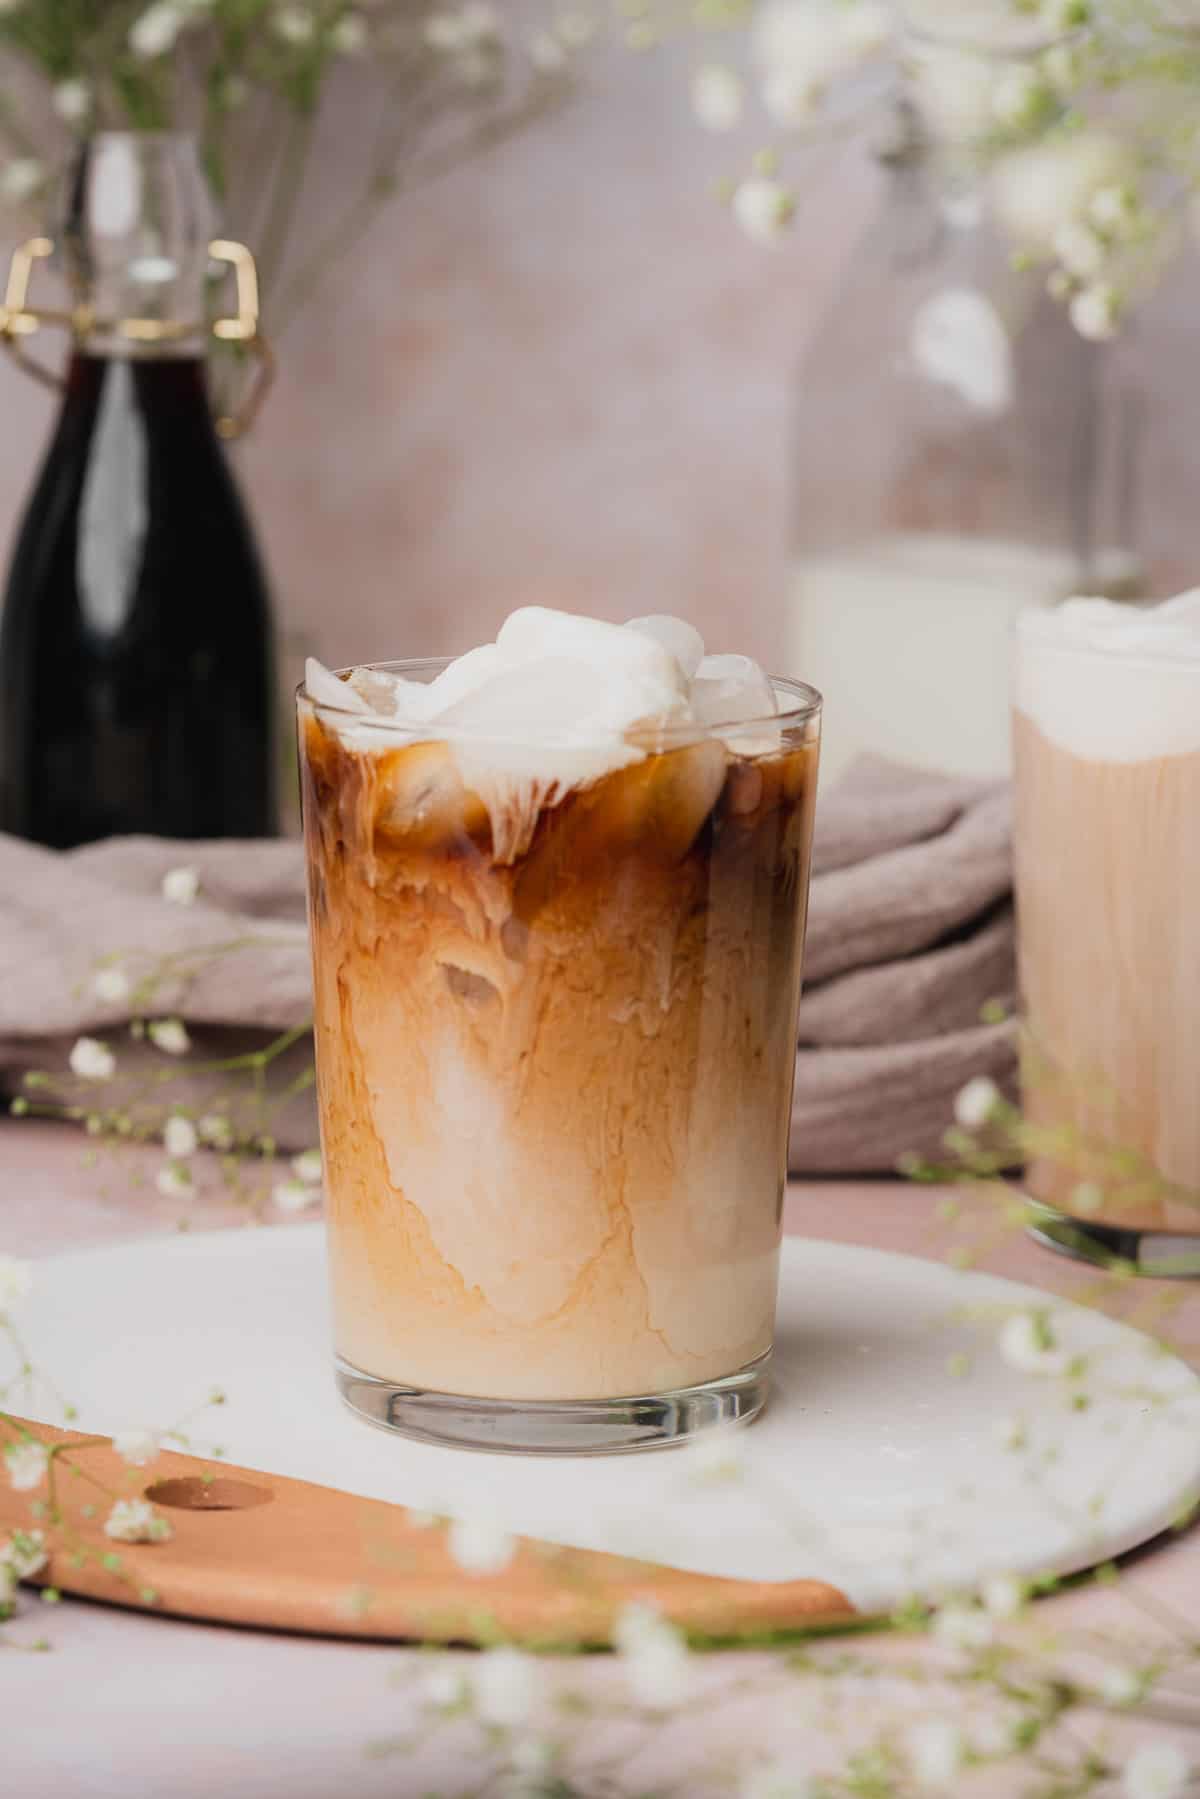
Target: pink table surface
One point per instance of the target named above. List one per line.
(140, 1707)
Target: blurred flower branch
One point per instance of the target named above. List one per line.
(1075, 120)
(431, 84)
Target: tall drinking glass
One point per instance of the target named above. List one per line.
(555, 1049)
(1107, 839)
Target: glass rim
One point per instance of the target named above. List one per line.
(807, 705)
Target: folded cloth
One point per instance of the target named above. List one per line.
(909, 936)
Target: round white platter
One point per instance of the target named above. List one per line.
(884, 1463)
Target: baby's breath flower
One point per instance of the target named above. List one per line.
(349, 36)
(1003, 1596)
(963, 1626)
(716, 96)
(1028, 1343)
(179, 1137)
(181, 885)
(170, 1035)
(293, 1196)
(294, 24)
(92, 1060)
(24, 1554)
(16, 1279)
(73, 100)
(1086, 1198)
(763, 208)
(1156, 1770)
(214, 1128)
(136, 1521)
(1113, 209)
(174, 1181)
(790, 96)
(26, 1463)
(935, 1752)
(307, 1166)
(21, 178)
(110, 985)
(1020, 98)
(655, 1656)
(155, 32)
(505, 1686)
(1095, 313)
(976, 1102)
(137, 1446)
(480, 1545)
(1079, 250)
(463, 29)
(1119, 1686)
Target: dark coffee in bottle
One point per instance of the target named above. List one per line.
(137, 685)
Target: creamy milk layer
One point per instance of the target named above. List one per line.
(556, 984)
(552, 704)
(1112, 681)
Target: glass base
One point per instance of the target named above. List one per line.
(557, 1426)
(1164, 1255)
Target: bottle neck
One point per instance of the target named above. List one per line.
(136, 226)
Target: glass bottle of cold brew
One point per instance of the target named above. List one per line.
(136, 658)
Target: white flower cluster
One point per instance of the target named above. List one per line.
(21, 178)
(469, 36)
(21, 1557)
(1157, 1770)
(1074, 202)
(480, 1544)
(1028, 1344)
(136, 1521)
(801, 47)
(304, 1191)
(137, 1446)
(26, 1463)
(655, 1657)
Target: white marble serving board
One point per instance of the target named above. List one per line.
(879, 1465)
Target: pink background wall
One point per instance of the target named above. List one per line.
(561, 374)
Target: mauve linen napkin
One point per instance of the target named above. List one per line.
(909, 935)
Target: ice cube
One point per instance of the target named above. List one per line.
(661, 803)
(422, 797)
(675, 634)
(734, 691)
(385, 695)
(729, 690)
(324, 688)
(535, 633)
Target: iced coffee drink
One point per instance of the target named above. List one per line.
(1107, 742)
(557, 899)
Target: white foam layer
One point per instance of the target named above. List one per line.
(1113, 682)
(550, 706)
